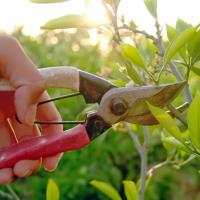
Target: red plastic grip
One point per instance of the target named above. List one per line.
(44, 146)
(7, 107)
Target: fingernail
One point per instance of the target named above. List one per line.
(30, 115)
(49, 170)
(52, 163)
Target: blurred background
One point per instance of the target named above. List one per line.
(112, 157)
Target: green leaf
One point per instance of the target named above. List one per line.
(130, 190)
(151, 5)
(132, 54)
(132, 73)
(173, 143)
(194, 121)
(178, 43)
(52, 192)
(132, 24)
(181, 25)
(171, 32)
(47, 1)
(196, 70)
(107, 189)
(70, 21)
(194, 48)
(148, 180)
(166, 121)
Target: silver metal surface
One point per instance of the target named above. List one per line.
(135, 98)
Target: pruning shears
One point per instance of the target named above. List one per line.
(115, 104)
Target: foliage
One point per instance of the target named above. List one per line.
(114, 159)
(52, 190)
(70, 21)
(106, 189)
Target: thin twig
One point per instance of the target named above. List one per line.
(6, 195)
(153, 169)
(14, 195)
(149, 36)
(178, 115)
(142, 150)
(115, 24)
(134, 137)
(144, 164)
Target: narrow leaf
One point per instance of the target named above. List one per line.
(181, 25)
(130, 190)
(171, 32)
(132, 24)
(151, 6)
(178, 43)
(173, 143)
(196, 70)
(132, 54)
(70, 21)
(47, 1)
(132, 73)
(52, 192)
(194, 48)
(107, 189)
(166, 121)
(194, 121)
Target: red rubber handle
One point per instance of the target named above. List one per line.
(7, 107)
(40, 146)
(43, 146)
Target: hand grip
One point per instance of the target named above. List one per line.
(56, 77)
(44, 146)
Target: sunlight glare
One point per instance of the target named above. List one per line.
(96, 12)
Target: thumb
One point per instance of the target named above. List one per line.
(26, 99)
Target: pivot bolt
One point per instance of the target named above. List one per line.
(118, 106)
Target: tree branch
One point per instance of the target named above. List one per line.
(134, 137)
(14, 195)
(153, 169)
(6, 195)
(144, 164)
(126, 27)
(143, 152)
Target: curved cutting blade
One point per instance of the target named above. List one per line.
(135, 100)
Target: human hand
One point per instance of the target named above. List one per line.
(23, 75)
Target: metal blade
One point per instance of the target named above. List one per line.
(132, 102)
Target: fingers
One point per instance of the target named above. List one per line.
(7, 138)
(22, 74)
(26, 99)
(25, 167)
(48, 112)
(6, 176)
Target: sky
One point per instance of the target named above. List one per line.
(14, 13)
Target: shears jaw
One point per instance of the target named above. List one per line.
(129, 104)
(93, 87)
(148, 119)
(95, 125)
